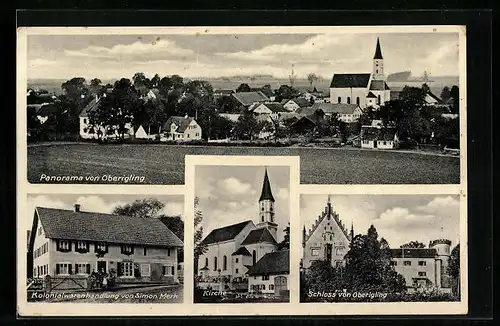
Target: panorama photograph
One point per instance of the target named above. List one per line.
(358, 108)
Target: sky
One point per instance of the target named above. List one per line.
(174, 204)
(398, 218)
(230, 195)
(116, 56)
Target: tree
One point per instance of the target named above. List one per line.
(312, 78)
(285, 244)
(75, 95)
(247, 126)
(199, 247)
(455, 95)
(445, 94)
(141, 83)
(145, 208)
(285, 92)
(95, 86)
(243, 88)
(412, 245)
(454, 269)
(155, 81)
(284, 128)
(174, 224)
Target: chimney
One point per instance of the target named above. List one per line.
(77, 208)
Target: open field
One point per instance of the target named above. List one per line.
(162, 164)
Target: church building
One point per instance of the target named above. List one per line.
(363, 89)
(235, 250)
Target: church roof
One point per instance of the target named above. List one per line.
(371, 95)
(226, 233)
(350, 80)
(378, 85)
(277, 262)
(241, 251)
(378, 52)
(257, 236)
(266, 189)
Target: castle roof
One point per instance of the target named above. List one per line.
(277, 262)
(266, 189)
(350, 80)
(225, 233)
(259, 235)
(100, 227)
(328, 211)
(378, 51)
(413, 253)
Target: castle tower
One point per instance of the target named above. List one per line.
(266, 207)
(378, 63)
(442, 247)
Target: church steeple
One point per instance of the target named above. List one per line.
(266, 207)
(378, 52)
(378, 63)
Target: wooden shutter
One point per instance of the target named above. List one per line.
(70, 269)
(58, 248)
(76, 268)
(173, 270)
(57, 268)
(88, 268)
(95, 246)
(119, 268)
(164, 270)
(132, 249)
(106, 247)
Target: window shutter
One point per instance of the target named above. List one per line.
(88, 268)
(95, 246)
(132, 249)
(106, 247)
(58, 248)
(88, 246)
(164, 270)
(70, 267)
(76, 268)
(173, 270)
(57, 268)
(119, 268)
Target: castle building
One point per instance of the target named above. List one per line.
(362, 89)
(422, 268)
(234, 252)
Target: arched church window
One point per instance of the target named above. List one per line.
(348, 100)
(377, 71)
(262, 218)
(357, 100)
(338, 99)
(224, 263)
(262, 208)
(206, 262)
(254, 257)
(379, 99)
(215, 263)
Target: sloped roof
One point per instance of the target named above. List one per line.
(226, 233)
(247, 98)
(47, 109)
(435, 97)
(342, 108)
(277, 262)
(100, 227)
(241, 251)
(259, 235)
(267, 91)
(378, 51)
(90, 107)
(350, 80)
(230, 116)
(378, 85)
(266, 193)
(224, 91)
(288, 115)
(181, 122)
(302, 102)
(306, 111)
(274, 107)
(371, 95)
(413, 253)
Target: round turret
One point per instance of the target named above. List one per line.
(442, 246)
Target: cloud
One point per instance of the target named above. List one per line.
(282, 193)
(43, 201)
(440, 205)
(442, 58)
(173, 209)
(97, 204)
(233, 185)
(33, 63)
(398, 217)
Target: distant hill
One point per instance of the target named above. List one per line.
(399, 76)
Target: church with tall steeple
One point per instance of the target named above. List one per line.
(245, 256)
(362, 89)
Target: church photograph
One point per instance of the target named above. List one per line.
(241, 234)
(380, 248)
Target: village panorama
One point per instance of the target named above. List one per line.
(353, 117)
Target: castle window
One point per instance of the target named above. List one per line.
(215, 263)
(407, 263)
(224, 263)
(236, 271)
(422, 263)
(422, 274)
(338, 99)
(236, 260)
(394, 263)
(379, 99)
(206, 262)
(357, 100)
(314, 251)
(348, 100)
(265, 277)
(377, 71)
(254, 257)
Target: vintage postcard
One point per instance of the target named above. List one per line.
(110, 106)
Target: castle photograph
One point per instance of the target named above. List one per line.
(105, 249)
(242, 234)
(380, 248)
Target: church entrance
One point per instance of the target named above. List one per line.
(328, 252)
(279, 285)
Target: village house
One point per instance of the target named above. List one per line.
(295, 104)
(141, 133)
(233, 251)
(181, 129)
(363, 89)
(345, 112)
(248, 98)
(65, 243)
(218, 93)
(89, 131)
(379, 136)
(269, 276)
(316, 97)
(422, 268)
(272, 109)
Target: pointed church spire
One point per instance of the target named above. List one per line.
(266, 189)
(378, 52)
(352, 231)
